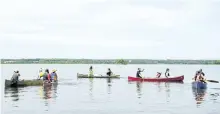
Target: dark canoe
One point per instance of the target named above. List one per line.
(96, 76)
(169, 79)
(199, 85)
(23, 83)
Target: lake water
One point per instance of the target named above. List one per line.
(116, 96)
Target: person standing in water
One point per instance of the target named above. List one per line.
(138, 74)
(91, 71)
(47, 76)
(54, 75)
(109, 73)
(167, 73)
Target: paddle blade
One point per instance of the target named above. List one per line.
(214, 81)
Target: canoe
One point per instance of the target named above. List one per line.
(170, 79)
(96, 76)
(23, 83)
(199, 85)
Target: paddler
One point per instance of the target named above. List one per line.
(109, 73)
(15, 77)
(54, 75)
(167, 74)
(90, 71)
(200, 76)
(138, 74)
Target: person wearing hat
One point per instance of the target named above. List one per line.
(138, 74)
(167, 74)
(54, 75)
(15, 77)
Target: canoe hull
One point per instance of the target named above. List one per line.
(199, 85)
(24, 83)
(86, 76)
(171, 79)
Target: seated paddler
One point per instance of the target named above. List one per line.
(91, 71)
(138, 74)
(109, 73)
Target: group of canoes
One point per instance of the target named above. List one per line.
(199, 78)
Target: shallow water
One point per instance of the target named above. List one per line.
(115, 96)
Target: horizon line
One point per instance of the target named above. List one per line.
(113, 58)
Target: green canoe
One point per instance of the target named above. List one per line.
(23, 83)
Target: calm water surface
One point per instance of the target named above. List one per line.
(116, 96)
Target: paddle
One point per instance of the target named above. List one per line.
(214, 81)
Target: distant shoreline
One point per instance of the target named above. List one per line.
(107, 61)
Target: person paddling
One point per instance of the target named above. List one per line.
(109, 73)
(90, 71)
(138, 74)
(200, 76)
(167, 74)
(15, 77)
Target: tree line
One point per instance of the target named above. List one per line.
(105, 61)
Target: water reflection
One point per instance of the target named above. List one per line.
(167, 89)
(91, 88)
(139, 87)
(109, 83)
(199, 95)
(14, 93)
(48, 92)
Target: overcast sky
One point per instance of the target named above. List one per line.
(152, 29)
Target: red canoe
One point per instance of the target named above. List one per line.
(170, 79)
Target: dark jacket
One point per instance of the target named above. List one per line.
(15, 77)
